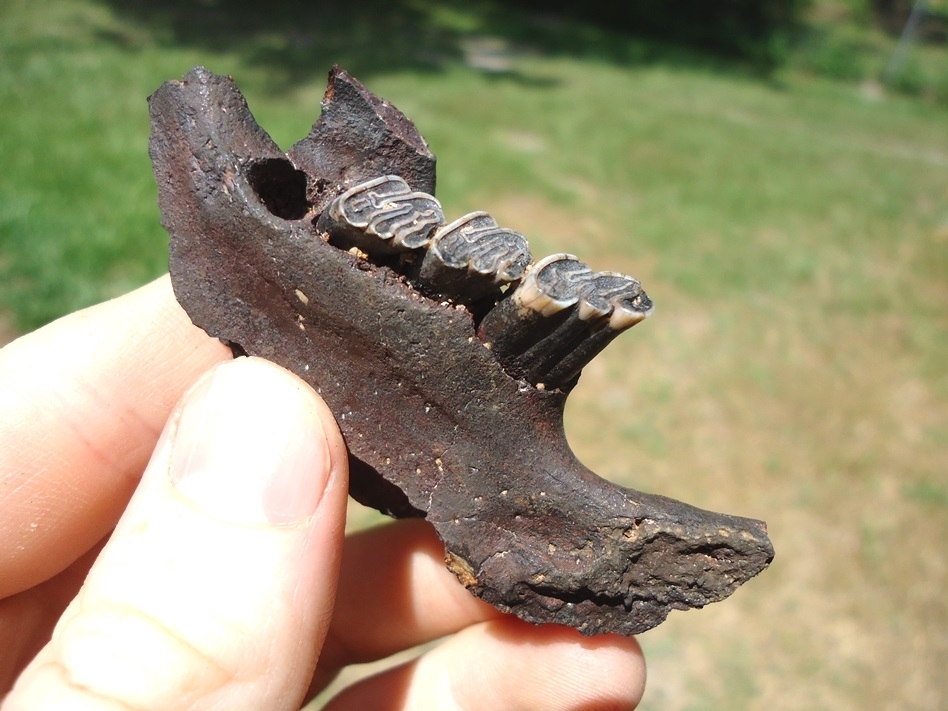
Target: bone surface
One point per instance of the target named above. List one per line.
(436, 423)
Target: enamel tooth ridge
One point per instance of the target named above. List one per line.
(473, 258)
(559, 318)
(382, 216)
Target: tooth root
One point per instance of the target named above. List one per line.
(382, 216)
(627, 306)
(559, 318)
(473, 258)
(533, 312)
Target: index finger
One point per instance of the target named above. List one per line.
(84, 400)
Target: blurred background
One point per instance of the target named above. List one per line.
(776, 174)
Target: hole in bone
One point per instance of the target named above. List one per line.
(281, 187)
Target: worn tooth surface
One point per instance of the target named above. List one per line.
(472, 258)
(630, 310)
(604, 291)
(382, 216)
(553, 284)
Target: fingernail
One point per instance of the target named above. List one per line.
(249, 445)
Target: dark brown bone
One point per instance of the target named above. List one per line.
(433, 423)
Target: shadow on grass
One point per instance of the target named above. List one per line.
(288, 39)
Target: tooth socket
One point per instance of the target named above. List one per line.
(473, 259)
(382, 217)
(559, 318)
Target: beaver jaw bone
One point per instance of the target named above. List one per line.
(445, 358)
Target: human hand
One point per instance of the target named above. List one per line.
(220, 578)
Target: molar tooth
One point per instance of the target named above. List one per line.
(473, 258)
(559, 318)
(601, 291)
(613, 303)
(552, 284)
(533, 312)
(382, 216)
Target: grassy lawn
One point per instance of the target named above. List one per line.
(792, 230)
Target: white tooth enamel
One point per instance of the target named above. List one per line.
(546, 296)
(627, 314)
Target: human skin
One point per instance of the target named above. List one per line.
(172, 537)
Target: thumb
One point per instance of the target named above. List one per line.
(216, 588)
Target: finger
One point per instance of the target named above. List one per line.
(215, 589)
(84, 400)
(27, 618)
(395, 593)
(509, 665)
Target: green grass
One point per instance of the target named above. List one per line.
(792, 229)
(843, 40)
